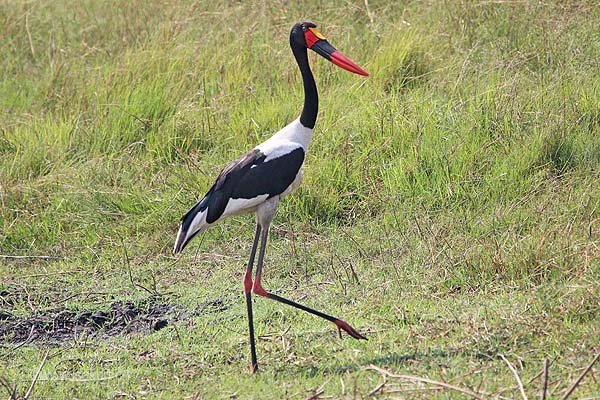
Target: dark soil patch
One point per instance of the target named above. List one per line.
(60, 325)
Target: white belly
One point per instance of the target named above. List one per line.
(243, 206)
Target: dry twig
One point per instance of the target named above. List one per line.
(37, 375)
(101, 379)
(8, 256)
(29, 35)
(545, 384)
(516, 374)
(24, 342)
(426, 380)
(12, 390)
(576, 383)
(369, 13)
(378, 387)
(315, 396)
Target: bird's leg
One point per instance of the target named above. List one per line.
(248, 292)
(258, 289)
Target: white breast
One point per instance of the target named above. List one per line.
(292, 136)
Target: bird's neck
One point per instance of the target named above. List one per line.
(311, 97)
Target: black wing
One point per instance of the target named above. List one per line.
(245, 178)
(250, 176)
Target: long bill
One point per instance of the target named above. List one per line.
(316, 42)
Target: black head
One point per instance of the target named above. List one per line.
(297, 35)
(304, 35)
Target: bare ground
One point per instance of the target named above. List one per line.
(60, 325)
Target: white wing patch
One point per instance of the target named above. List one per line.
(276, 150)
(242, 206)
(198, 223)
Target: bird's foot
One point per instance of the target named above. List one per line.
(343, 325)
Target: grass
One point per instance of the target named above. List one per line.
(449, 208)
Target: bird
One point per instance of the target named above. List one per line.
(258, 180)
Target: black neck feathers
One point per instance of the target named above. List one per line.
(311, 97)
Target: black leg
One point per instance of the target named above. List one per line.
(248, 292)
(258, 289)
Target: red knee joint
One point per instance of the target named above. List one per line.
(247, 282)
(258, 289)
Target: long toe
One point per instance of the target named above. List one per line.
(343, 325)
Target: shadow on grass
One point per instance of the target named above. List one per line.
(394, 360)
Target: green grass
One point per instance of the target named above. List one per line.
(449, 209)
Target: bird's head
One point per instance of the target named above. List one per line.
(306, 34)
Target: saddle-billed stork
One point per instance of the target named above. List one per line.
(259, 179)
